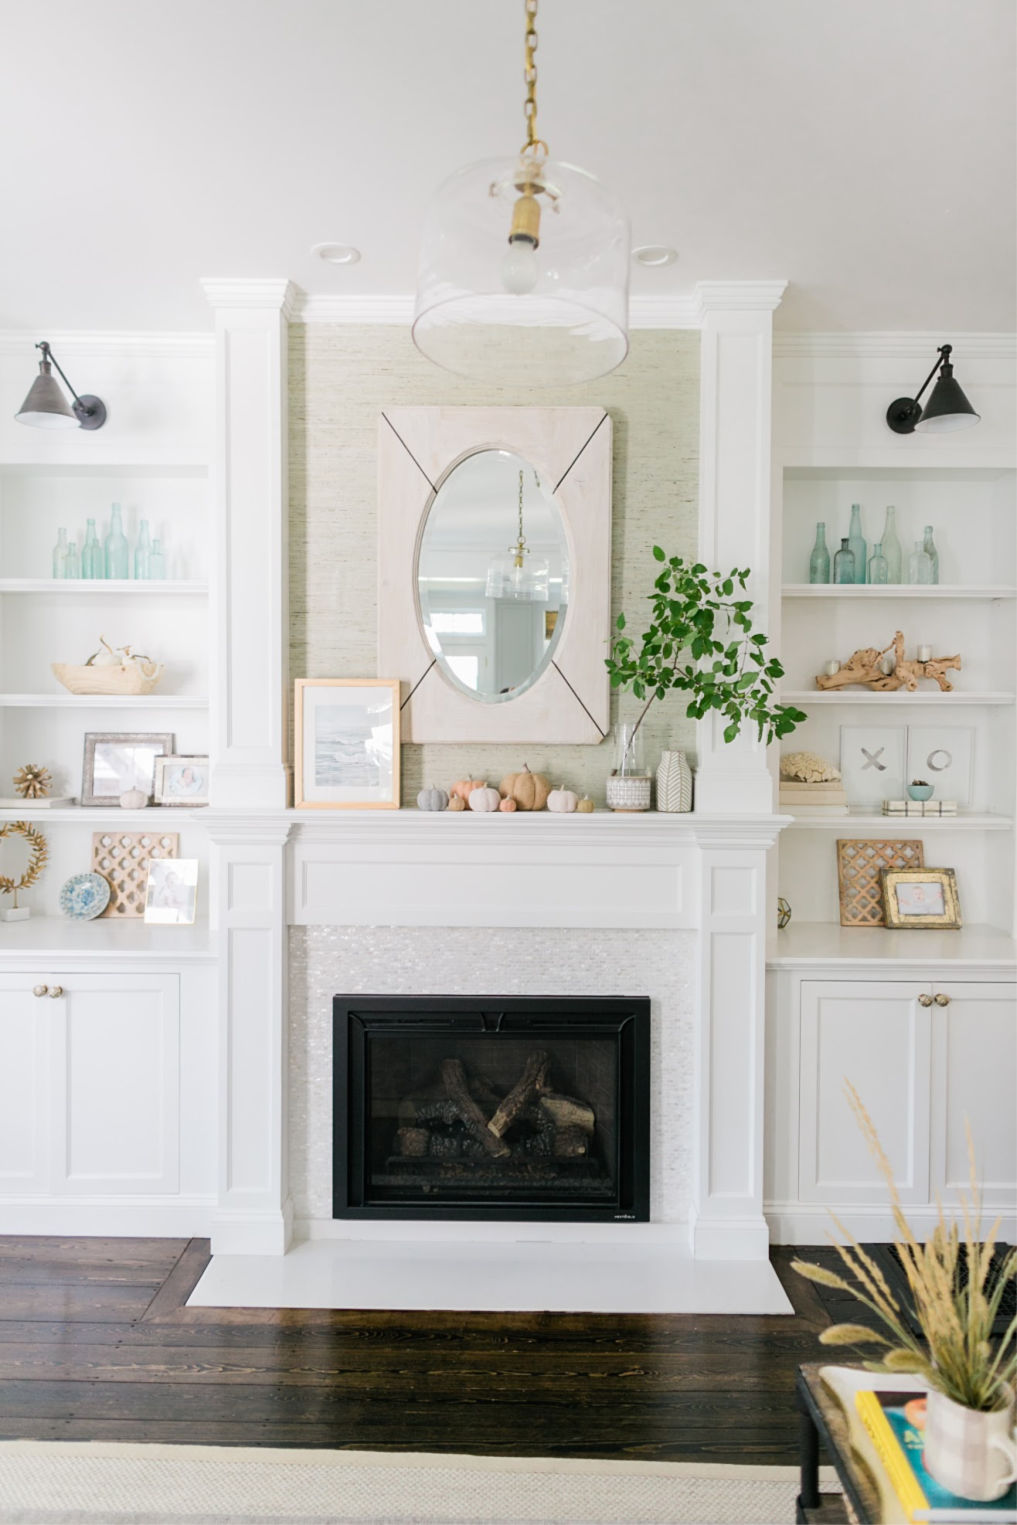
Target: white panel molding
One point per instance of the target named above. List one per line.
(133, 344)
(891, 346)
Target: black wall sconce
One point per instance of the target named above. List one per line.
(946, 409)
(46, 407)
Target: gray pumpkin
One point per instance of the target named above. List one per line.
(432, 799)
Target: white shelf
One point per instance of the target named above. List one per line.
(809, 697)
(93, 468)
(161, 588)
(821, 943)
(894, 590)
(131, 938)
(869, 820)
(155, 817)
(103, 701)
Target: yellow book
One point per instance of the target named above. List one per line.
(890, 1454)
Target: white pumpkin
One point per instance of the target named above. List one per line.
(133, 799)
(484, 799)
(562, 800)
(432, 799)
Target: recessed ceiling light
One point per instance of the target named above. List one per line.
(654, 254)
(337, 254)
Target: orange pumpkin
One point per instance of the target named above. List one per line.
(464, 787)
(529, 790)
(457, 802)
(508, 804)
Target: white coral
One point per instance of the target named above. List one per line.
(807, 768)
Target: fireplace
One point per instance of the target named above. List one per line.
(491, 1107)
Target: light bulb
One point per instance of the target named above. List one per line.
(519, 270)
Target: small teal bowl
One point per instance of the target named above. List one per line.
(921, 791)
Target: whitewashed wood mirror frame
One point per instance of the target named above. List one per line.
(567, 453)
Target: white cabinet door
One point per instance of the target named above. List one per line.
(974, 1078)
(24, 1112)
(115, 1084)
(875, 1034)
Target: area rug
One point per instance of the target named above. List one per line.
(59, 1483)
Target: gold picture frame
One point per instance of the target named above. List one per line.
(921, 897)
(346, 744)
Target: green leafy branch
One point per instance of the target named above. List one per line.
(701, 640)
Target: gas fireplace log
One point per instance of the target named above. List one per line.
(571, 1143)
(412, 1142)
(567, 1111)
(532, 1079)
(454, 1080)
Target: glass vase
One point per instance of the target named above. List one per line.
(819, 561)
(628, 787)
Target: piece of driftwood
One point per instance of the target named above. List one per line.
(859, 862)
(533, 1078)
(453, 1077)
(863, 668)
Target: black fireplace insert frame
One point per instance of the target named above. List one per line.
(355, 1018)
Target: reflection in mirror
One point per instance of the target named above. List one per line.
(492, 575)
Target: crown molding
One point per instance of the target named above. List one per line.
(737, 296)
(675, 310)
(891, 346)
(277, 292)
(346, 307)
(135, 343)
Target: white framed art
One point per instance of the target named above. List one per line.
(872, 764)
(346, 744)
(943, 755)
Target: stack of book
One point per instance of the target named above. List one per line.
(813, 799)
(920, 807)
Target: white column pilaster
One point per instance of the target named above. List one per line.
(736, 321)
(253, 1216)
(251, 672)
(726, 1221)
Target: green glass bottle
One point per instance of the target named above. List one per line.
(844, 563)
(93, 561)
(156, 561)
(892, 548)
(59, 553)
(819, 561)
(877, 565)
(929, 547)
(72, 561)
(857, 542)
(117, 560)
(143, 552)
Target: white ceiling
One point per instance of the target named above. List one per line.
(862, 149)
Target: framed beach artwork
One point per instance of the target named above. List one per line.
(346, 742)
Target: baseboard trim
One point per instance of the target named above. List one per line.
(805, 1223)
(729, 1238)
(183, 1218)
(402, 1230)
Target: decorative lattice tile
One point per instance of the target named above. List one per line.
(123, 857)
(859, 864)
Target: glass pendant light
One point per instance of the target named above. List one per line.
(524, 266)
(512, 576)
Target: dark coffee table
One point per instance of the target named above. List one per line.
(823, 1420)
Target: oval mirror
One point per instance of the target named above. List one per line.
(492, 575)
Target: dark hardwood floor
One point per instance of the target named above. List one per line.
(96, 1344)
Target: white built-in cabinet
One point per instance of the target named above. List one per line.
(928, 1055)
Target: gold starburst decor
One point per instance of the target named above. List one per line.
(33, 781)
(38, 853)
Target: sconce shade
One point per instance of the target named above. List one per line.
(46, 407)
(947, 408)
(475, 317)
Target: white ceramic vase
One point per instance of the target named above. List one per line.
(971, 1453)
(674, 782)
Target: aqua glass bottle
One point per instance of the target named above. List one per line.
(929, 547)
(59, 553)
(919, 565)
(93, 560)
(857, 542)
(819, 561)
(156, 561)
(142, 552)
(877, 565)
(844, 563)
(892, 549)
(72, 561)
(117, 560)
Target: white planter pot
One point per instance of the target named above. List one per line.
(628, 791)
(971, 1453)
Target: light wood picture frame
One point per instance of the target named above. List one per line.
(860, 861)
(346, 744)
(921, 897)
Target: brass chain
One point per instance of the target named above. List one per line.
(530, 76)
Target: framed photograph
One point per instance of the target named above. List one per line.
(872, 764)
(921, 897)
(116, 761)
(346, 744)
(171, 896)
(181, 781)
(943, 755)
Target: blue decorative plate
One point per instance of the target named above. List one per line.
(84, 897)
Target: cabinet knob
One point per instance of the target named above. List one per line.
(942, 1000)
(56, 991)
(925, 999)
(38, 990)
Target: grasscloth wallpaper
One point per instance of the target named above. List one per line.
(341, 377)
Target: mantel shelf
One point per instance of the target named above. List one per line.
(57, 937)
(103, 701)
(896, 590)
(155, 817)
(808, 697)
(158, 588)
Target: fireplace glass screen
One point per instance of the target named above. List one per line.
(491, 1107)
